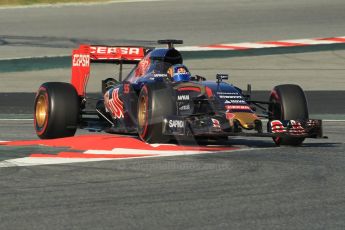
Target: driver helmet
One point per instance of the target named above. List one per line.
(179, 73)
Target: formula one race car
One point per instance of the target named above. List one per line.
(160, 100)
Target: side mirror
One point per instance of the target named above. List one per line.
(220, 77)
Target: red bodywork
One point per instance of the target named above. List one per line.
(86, 54)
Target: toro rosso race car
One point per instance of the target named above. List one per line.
(160, 100)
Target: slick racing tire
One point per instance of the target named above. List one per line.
(289, 103)
(154, 103)
(57, 109)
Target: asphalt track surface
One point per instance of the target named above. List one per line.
(259, 187)
(55, 30)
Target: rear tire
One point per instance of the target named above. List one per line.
(289, 104)
(154, 103)
(57, 109)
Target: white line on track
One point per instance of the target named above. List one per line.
(265, 44)
(252, 45)
(143, 151)
(57, 5)
(199, 48)
(311, 41)
(32, 161)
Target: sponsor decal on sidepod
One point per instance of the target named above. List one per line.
(176, 124)
(113, 103)
(183, 97)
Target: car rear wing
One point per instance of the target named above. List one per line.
(87, 54)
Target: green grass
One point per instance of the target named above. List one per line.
(32, 2)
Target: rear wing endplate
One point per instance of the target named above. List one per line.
(86, 54)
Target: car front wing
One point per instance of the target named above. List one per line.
(214, 126)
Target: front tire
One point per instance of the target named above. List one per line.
(57, 109)
(289, 103)
(154, 103)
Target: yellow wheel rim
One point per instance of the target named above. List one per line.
(142, 112)
(41, 113)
